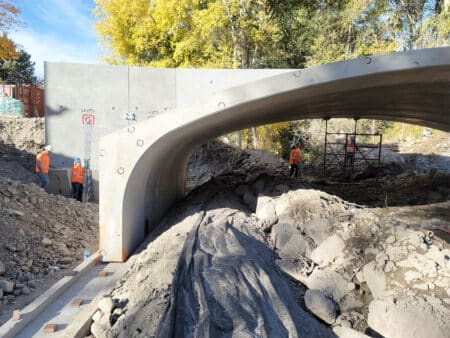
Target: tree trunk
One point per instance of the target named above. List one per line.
(349, 38)
(233, 34)
(255, 138)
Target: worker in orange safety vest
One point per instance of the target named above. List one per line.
(350, 151)
(77, 179)
(295, 159)
(43, 165)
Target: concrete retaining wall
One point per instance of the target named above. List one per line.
(108, 92)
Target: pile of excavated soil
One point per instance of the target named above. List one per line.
(41, 234)
(23, 134)
(20, 140)
(258, 258)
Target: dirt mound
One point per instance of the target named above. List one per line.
(208, 268)
(20, 140)
(40, 235)
(23, 134)
(216, 158)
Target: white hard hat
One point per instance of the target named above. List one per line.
(48, 148)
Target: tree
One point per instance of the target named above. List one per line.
(8, 19)
(19, 71)
(188, 33)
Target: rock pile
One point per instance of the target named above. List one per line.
(364, 271)
(40, 234)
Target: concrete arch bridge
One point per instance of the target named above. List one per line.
(142, 167)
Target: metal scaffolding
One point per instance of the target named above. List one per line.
(351, 151)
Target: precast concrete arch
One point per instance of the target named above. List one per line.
(142, 168)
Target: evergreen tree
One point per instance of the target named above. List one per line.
(20, 71)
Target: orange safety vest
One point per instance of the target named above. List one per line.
(295, 156)
(42, 162)
(77, 173)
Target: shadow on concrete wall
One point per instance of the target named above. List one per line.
(55, 112)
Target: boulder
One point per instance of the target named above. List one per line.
(352, 301)
(298, 268)
(100, 331)
(297, 245)
(329, 282)
(328, 250)
(317, 229)
(6, 286)
(347, 332)
(106, 305)
(265, 209)
(375, 279)
(13, 212)
(46, 242)
(282, 233)
(321, 305)
(97, 315)
(64, 260)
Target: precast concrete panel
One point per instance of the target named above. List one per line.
(76, 93)
(196, 85)
(152, 91)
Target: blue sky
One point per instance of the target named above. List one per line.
(57, 30)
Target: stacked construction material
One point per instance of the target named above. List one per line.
(11, 107)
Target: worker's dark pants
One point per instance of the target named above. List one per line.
(295, 168)
(350, 159)
(77, 191)
(44, 180)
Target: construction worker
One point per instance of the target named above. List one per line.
(42, 165)
(77, 179)
(350, 151)
(295, 159)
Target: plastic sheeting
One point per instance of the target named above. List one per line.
(11, 107)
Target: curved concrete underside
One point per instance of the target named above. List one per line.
(142, 168)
